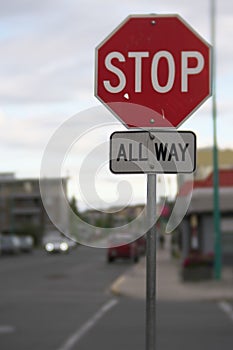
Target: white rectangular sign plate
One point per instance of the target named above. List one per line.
(167, 152)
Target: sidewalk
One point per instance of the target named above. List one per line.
(170, 286)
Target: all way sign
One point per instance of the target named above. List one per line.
(168, 152)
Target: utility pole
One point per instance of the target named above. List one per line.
(217, 233)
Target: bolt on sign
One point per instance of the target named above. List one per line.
(153, 71)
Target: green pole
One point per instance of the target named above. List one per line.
(216, 211)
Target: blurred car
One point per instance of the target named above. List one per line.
(121, 247)
(26, 244)
(10, 244)
(57, 246)
(141, 242)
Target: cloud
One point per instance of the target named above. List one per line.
(48, 55)
(12, 8)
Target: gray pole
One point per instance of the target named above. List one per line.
(217, 216)
(151, 264)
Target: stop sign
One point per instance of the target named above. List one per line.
(153, 71)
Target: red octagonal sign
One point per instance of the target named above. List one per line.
(153, 71)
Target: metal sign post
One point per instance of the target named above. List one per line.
(151, 264)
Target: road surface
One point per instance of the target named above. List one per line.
(62, 302)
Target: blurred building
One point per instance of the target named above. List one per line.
(197, 227)
(204, 165)
(21, 207)
(113, 217)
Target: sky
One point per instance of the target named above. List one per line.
(47, 76)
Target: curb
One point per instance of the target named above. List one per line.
(127, 283)
(115, 288)
(132, 284)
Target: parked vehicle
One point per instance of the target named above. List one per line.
(120, 248)
(57, 246)
(141, 242)
(26, 244)
(10, 244)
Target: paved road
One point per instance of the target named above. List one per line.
(190, 325)
(43, 299)
(63, 303)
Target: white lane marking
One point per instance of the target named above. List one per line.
(227, 308)
(6, 329)
(74, 338)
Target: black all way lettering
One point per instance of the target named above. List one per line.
(133, 152)
(163, 152)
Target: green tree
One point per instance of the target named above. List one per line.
(74, 206)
